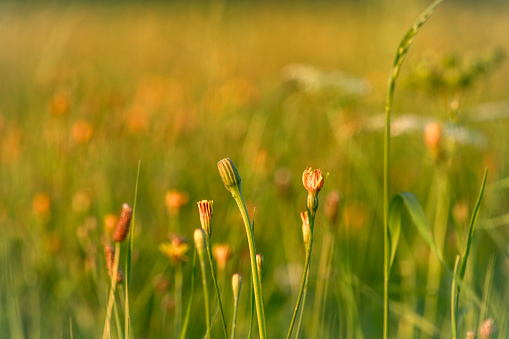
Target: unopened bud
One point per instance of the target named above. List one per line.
(259, 264)
(124, 223)
(236, 285)
(229, 174)
(205, 209)
(199, 241)
(433, 135)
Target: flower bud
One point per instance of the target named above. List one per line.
(229, 174)
(222, 253)
(313, 182)
(306, 230)
(199, 241)
(124, 223)
(236, 285)
(175, 200)
(205, 209)
(259, 264)
(433, 138)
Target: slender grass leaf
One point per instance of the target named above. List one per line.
(409, 200)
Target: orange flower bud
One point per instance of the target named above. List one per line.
(205, 209)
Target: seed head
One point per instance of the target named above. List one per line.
(199, 241)
(229, 174)
(236, 285)
(124, 223)
(306, 230)
(470, 335)
(205, 209)
(222, 253)
(487, 329)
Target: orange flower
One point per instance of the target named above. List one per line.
(205, 208)
(175, 200)
(313, 180)
(222, 253)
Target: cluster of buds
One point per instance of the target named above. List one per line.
(109, 253)
(313, 181)
(176, 249)
(205, 209)
(124, 223)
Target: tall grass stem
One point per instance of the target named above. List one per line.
(214, 279)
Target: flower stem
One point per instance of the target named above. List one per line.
(303, 284)
(213, 273)
(205, 294)
(111, 298)
(239, 199)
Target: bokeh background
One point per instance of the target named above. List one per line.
(89, 89)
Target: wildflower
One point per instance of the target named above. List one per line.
(229, 174)
(41, 204)
(205, 209)
(176, 249)
(313, 181)
(124, 223)
(222, 253)
(82, 132)
(433, 138)
(175, 200)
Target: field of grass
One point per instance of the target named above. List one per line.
(87, 91)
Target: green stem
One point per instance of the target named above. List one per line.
(235, 308)
(239, 199)
(111, 298)
(303, 285)
(205, 294)
(188, 311)
(453, 298)
(178, 298)
(251, 291)
(299, 324)
(213, 271)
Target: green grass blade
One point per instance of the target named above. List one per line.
(454, 306)
(471, 229)
(190, 302)
(398, 61)
(128, 258)
(409, 200)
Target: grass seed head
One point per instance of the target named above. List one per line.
(487, 329)
(124, 223)
(229, 174)
(206, 210)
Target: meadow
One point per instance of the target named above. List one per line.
(91, 93)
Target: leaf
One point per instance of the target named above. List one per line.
(408, 200)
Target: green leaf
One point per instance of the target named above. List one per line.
(408, 200)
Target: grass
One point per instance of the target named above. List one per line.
(88, 90)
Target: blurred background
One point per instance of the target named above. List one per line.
(88, 89)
